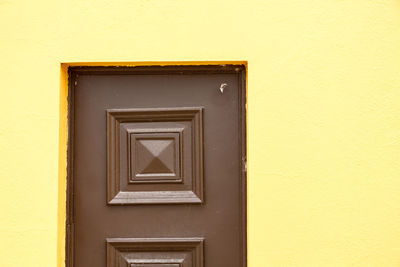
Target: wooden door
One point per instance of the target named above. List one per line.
(157, 167)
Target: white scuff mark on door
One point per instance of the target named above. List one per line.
(222, 87)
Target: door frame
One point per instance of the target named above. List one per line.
(74, 71)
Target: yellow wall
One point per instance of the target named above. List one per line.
(323, 116)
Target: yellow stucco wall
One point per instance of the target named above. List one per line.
(323, 116)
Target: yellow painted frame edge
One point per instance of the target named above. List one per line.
(63, 137)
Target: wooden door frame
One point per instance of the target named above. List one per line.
(170, 69)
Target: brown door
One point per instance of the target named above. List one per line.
(157, 167)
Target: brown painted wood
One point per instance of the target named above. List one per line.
(157, 167)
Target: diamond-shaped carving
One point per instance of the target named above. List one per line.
(155, 155)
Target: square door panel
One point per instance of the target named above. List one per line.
(155, 252)
(155, 265)
(155, 156)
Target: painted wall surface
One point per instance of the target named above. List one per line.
(323, 116)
